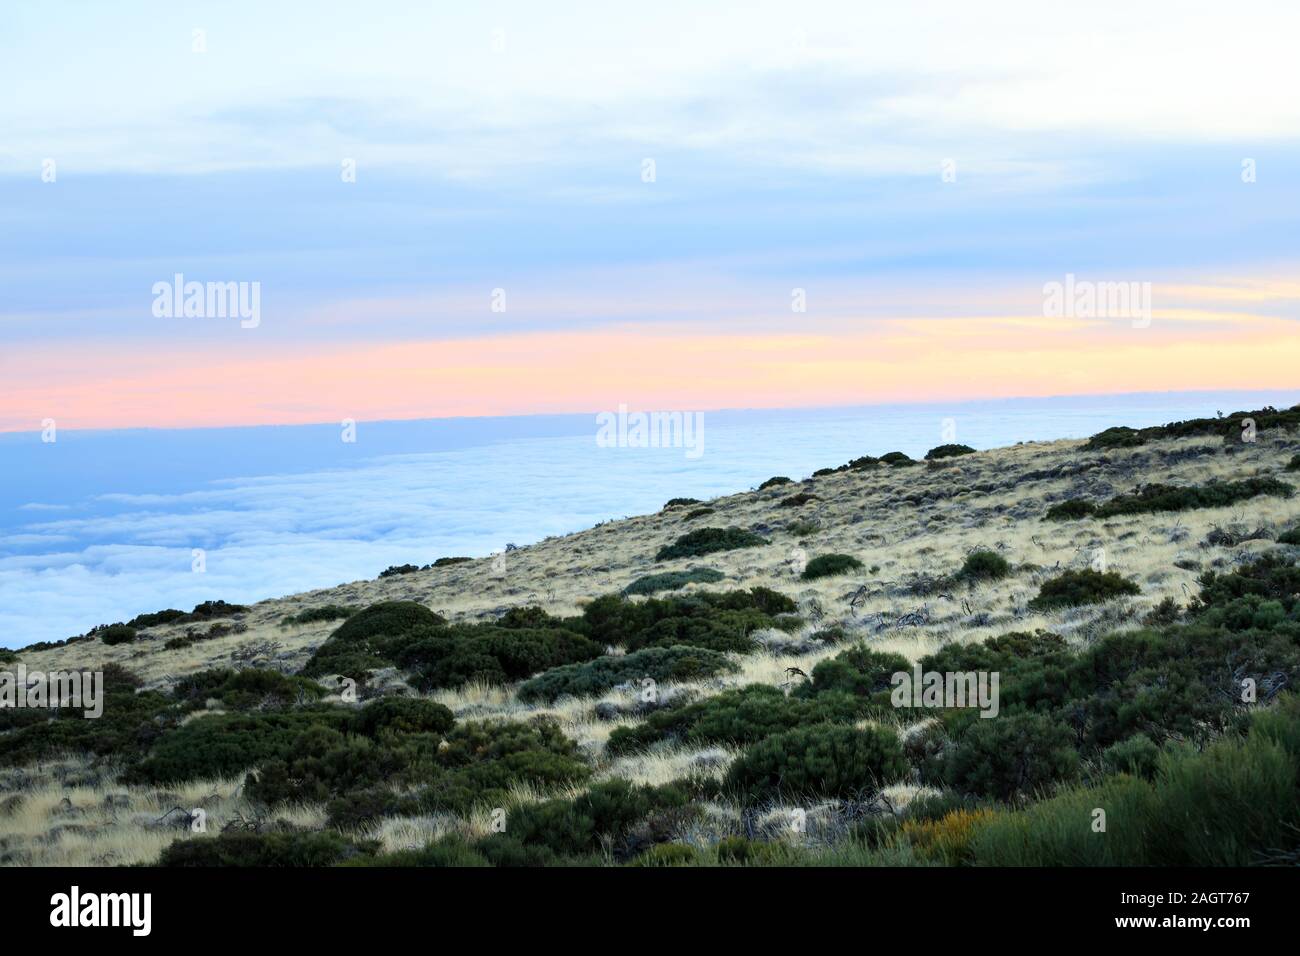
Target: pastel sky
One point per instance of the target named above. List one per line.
(502, 146)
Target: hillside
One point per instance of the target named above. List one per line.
(425, 786)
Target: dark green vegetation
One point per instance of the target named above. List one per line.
(1084, 586)
(400, 569)
(116, 634)
(826, 565)
(673, 580)
(526, 641)
(707, 541)
(673, 663)
(1294, 463)
(775, 482)
(983, 565)
(824, 760)
(1156, 497)
(680, 503)
(948, 451)
(1228, 427)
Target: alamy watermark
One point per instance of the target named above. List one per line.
(179, 299)
(1083, 299)
(74, 690)
(947, 689)
(624, 429)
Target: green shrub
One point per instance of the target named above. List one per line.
(739, 717)
(448, 562)
(716, 621)
(1009, 756)
(168, 616)
(948, 451)
(827, 760)
(1228, 427)
(261, 849)
(1290, 536)
(368, 639)
(668, 854)
(247, 689)
(827, 565)
(222, 745)
(1138, 756)
(452, 656)
(117, 634)
(797, 500)
(982, 565)
(1160, 498)
(698, 513)
(1086, 586)
(897, 458)
(1071, 510)
(210, 610)
(131, 720)
(600, 818)
(680, 503)
(7, 656)
(599, 675)
(402, 715)
(1294, 463)
(672, 580)
(387, 619)
(858, 671)
(708, 541)
(394, 570)
(775, 482)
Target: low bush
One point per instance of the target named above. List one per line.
(262, 849)
(823, 760)
(1137, 756)
(1289, 536)
(948, 451)
(117, 634)
(983, 565)
(395, 570)
(456, 655)
(1160, 498)
(249, 689)
(672, 580)
(827, 565)
(1085, 586)
(599, 675)
(168, 616)
(387, 619)
(1009, 756)
(798, 500)
(775, 482)
(680, 503)
(739, 717)
(708, 541)
(1071, 510)
(858, 671)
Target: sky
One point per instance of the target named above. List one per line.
(512, 208)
